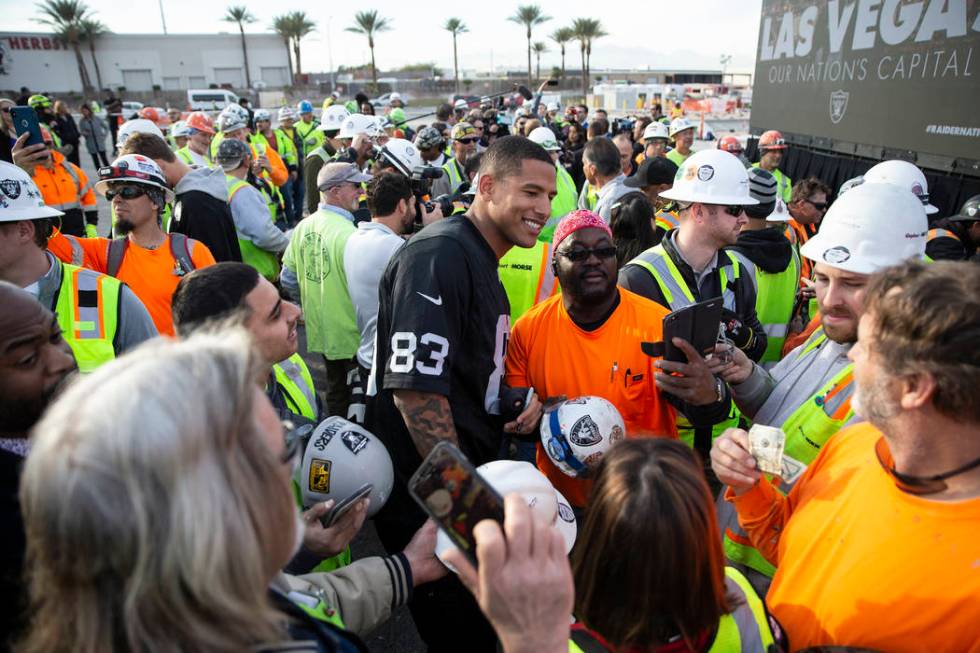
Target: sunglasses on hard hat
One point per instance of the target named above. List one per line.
(125, 192)
(579, 255)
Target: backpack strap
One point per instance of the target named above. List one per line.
(115, 253)
(181, 251)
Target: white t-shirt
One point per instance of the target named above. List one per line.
(366, 256)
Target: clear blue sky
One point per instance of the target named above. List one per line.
(654, 34)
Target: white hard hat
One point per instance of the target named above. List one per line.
(460, 104)
(134, 169)
(578, 432)
(871, 227)
(333, 117)
(711, 177)
(553, 106)
(394, 96)
(547, 503)
(237, 110)
(20, 198)
(779, 212)
(521, 111)
(136, 126)
(180, 129)
(229, 121)
(262, 114)
(286, 113)
(655, 129)
(357, 123)
(545, 138)
(904, 174)
(679, 124)
(849, 184)
(402, 154)
(340, 458)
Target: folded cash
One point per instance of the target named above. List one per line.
(766, 446)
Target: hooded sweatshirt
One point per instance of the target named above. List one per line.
(767, 248)
(201, 212)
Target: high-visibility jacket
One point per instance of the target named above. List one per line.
(783, 183)
(321, 153)
(564, 202)
(678, 158)
(797, 234)
(676, 293)
(744, 630)
(455, 174)
(311, 135)
(667, 219)
(87, 308)
(283, 146)
(184, 154)
(279, 174)
(265, 262)
(775, 298)
(807, 429)
(294, 379)
(64, 186)
(527, 276)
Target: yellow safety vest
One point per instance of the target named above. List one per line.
(775, 298)
(678, 158)
(667, 220)
(184, 154)
(807, 429)
(564, 202)
(784, 183)
(311, 134)
(527, 277)
(455, 174)
(265, 262)
(293, 377)
(87, 308)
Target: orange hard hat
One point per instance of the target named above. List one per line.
(730, 144)
(772, 140)
(200, 121)
(149, 113)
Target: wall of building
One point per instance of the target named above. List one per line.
(140, 62)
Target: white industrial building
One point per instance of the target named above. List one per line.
(143, 62)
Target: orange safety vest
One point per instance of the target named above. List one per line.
(797, 235)
(65, 186)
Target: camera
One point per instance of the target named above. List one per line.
(623, 125)
(421, 183)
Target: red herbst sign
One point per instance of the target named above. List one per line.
(34, 43)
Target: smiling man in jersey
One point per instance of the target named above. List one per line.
(442, 331)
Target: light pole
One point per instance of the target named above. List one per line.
(333, 80)
(725, 60)
(163, 19)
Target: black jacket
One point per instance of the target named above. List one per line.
(767, 248)
(201, 212)
(944, 248)
(13, 592)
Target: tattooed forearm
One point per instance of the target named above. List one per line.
(428, 418)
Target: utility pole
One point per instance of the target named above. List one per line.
(333, 79)
(163, 19)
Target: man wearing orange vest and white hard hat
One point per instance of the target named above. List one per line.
(808, 393)
(99, 316)
(772, 146)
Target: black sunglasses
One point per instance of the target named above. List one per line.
(126, 192)
(820, 206)
(734, 210)
(579, 255)
(467, 140)
(5, 109)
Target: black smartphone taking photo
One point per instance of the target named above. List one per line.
(698, 324)
(25, 122)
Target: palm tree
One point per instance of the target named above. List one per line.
(65, 16)
(539, 48)
(561, 36)
(239, 14)
(587, 30)
(301, 26)
(529, 16)
(283, 28)
(455, 27)
(369, 23)
(91, 29)
(594, 32)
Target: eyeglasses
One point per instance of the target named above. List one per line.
(5, 109)
(126, 192)
(296, 437)
(579, 255)
(820, 206)
(467, 141)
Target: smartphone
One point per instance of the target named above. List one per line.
(343, 507)
(453, 493)
(697, 323)
(25, 122)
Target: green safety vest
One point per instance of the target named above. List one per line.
(293, 376)
(745, 630)
(266, 263)
(677, 157)
(658, 263)
(321, 153)
(527, 277)
(87, 308)
(784, 183)
(310, 134)
(455, 174)
(807, 429)
(591, 196)
(775, 298)
(564, 202)
(284, 146)
(184, 154)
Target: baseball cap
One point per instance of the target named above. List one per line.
(653, 170)
(334, 174)
(462, 130)
(230, 153)
(580, 219)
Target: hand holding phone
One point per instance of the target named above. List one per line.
(26, 122)
(343, 507)
(697, 324)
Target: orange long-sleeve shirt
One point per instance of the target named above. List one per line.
(60, 188)
(861, 563)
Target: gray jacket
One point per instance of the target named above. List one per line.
(94, 130)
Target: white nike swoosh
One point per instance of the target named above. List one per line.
(435, 300)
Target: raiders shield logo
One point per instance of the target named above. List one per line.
(838, 105)
(319, 480)
(354, 441)
(585, 432)
(10, 188)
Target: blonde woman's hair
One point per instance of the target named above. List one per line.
(60, 107)
(155, 513)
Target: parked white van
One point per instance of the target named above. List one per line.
(210, 99)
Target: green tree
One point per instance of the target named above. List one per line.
(455, 27)
(369, 23)
(302, 27)
(539, 48)
(586, 31)
(561, 36)
(65, 17)
(529, 16)
(283, 28)
(91, 29)
(240, 15)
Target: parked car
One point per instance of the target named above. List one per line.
(130, 109)
(384, 100)
(210, 99)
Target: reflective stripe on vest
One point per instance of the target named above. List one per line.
(807, 429)
(265, 263)
(321, 153)
(77, 253)
(184, 155)
(294, 378)
(941, 233)
(527, 277)
(667, 220)
(87, 306)
(454, 173)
